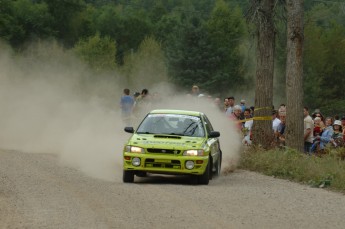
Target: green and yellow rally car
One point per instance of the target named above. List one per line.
(175, 142)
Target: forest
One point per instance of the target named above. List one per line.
(210, 43)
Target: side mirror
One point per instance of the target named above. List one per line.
(129, 130)
(214, 134)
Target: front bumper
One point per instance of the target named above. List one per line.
(165, 164)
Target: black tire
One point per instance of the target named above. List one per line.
(128, 176)
(218, 165)
(205, 178)
(141, 174)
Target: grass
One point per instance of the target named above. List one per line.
(327, 171)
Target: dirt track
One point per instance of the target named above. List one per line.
(37, 192)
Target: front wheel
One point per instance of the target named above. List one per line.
(218, 165)
(128, 176)
(205, 178)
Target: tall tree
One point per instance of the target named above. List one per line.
(226, 30)
(99, 52)
(263, 11)
(294, 74)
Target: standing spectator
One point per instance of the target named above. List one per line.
(142, 103)
(247, 127)
(243, 105)
(195, 91)
(317, 113)
(218, 104)
(236, 116)
(275, 121)
(126, 104)
(280, 133)
(308, 131)
(226, 104)
(231, 104)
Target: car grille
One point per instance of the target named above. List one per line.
(153, 163)
(166, 151)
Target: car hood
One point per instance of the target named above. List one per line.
(166, 141)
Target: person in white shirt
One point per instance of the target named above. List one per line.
(275, 121)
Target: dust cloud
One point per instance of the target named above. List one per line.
(50, 102)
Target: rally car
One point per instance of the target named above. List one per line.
(175, 142)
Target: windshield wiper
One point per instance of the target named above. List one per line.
(144, 132)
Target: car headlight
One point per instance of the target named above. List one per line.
(134, 149)
(136, 161)
(189, 164)
(193, 152)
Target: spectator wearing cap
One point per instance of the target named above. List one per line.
(308, 130)
(231, 104)
(337, 136)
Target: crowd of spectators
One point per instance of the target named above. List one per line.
(319, 131)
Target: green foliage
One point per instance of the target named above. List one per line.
(189, 55)
(147, 66)
(207, 53)
(64, 13)
(226, 30)
(328, 170)
(23, 20)
(324, 67)
(98, 52)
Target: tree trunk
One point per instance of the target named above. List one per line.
(294, 75)
(262, 129)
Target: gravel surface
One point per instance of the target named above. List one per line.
(36, 191)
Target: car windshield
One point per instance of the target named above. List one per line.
(172, 124)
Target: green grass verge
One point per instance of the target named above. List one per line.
(327, 171)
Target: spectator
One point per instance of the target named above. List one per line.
(243, 105)
(343, 126)
(226, 104)
(317, 113)
(218, 104)
(142, 103)
(195, 91)
(231, 104)
(326, 136)
(236, 116)
(126, 104)
(275, 121)
(280, 133)
(317, 127)
(247, 127)
(337, 137)
(308, 131)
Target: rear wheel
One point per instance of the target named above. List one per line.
(128, 176)
(205, 178)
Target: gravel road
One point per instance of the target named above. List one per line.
(37, 191)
